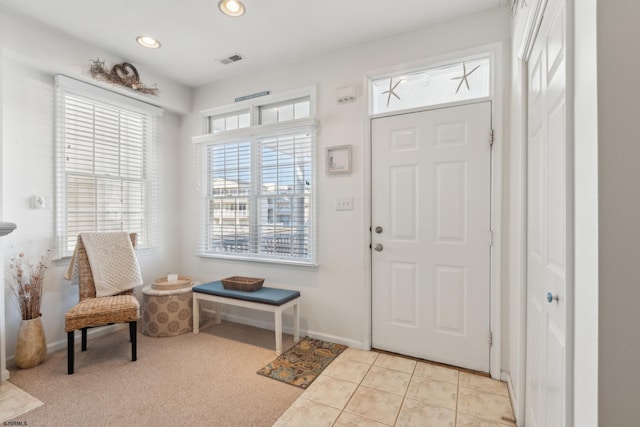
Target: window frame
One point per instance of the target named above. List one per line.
(253, 134)
(66, 86)
(425, 67)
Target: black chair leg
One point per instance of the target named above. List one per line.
(70, 351)
(133, 327)
(84, 339)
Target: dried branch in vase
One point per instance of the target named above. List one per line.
(123, 74)
(26, 279)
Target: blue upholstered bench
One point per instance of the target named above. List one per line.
(265, 299)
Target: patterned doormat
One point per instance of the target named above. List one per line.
(303, 362)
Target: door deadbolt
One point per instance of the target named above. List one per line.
(378, 229)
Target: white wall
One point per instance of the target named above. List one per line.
(31, 56)
(333, 295)
(619, 209)
(586, 216)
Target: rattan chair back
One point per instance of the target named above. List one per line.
(86, 285)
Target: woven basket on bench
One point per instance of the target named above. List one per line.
(239, 283)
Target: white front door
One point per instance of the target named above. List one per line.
(547, 224)
(431, 211)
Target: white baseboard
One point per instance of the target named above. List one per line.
(286, 329)
(506, 377)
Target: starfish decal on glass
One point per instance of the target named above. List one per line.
(392, 87)
(463, 77)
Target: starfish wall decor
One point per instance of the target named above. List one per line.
(392, 87)
(463, 77)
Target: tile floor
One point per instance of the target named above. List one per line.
(366, 388)
(14, 401)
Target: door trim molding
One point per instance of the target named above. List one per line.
(532, 28)
(497, 122)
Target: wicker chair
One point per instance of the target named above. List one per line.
(92, 311)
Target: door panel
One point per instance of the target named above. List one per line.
(451, 297)
(431, 193)
(450, 202)
(547, 224)
(404, 294)
(404, 193)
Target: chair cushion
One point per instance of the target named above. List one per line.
(102, 311)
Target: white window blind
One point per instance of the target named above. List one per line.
(260, 201)
(106, 172)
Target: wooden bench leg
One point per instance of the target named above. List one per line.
(218, 307)
(296, 322)
(196, 314)
(278, 316)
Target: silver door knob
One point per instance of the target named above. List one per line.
(378, 247)
(551, 297)
(378, 229)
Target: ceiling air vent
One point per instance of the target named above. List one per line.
(230, 59)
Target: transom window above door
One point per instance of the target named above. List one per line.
(452, 82)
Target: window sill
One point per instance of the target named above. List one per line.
(284, 262)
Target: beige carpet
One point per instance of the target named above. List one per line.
(199, 380)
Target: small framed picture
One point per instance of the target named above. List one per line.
(339, 159)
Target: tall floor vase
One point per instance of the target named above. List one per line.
(31, 348)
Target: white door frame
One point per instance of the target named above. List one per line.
(530, 33)
(495, 50)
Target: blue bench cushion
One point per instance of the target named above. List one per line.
(264, 295)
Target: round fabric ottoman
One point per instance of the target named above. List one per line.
(166, 313)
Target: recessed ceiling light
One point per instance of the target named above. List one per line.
(231, 7)
(148, 41)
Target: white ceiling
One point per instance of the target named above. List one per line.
(194, 34)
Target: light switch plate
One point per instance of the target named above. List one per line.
(344, 203)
